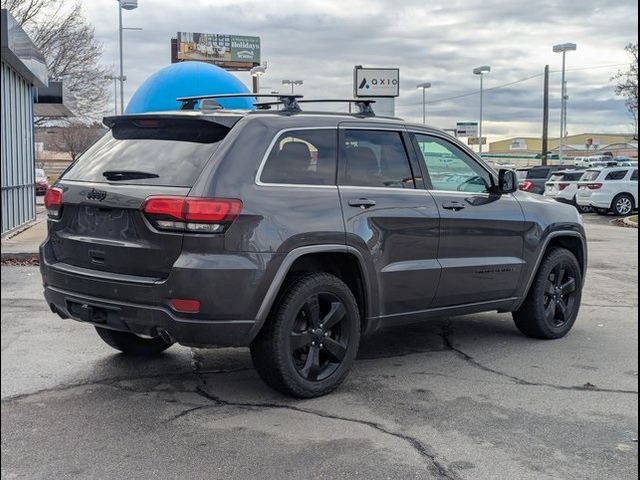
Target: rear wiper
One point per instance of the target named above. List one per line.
(116, 175)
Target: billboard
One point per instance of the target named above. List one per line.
(467, 129)
(233, 52)
(376, 82)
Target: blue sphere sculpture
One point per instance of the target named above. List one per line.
(159, 92)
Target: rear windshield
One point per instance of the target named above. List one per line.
(150, 152)
(590, 175)
(538, 173)
(522, 174)
(570, 176)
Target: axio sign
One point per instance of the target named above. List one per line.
(376, 82)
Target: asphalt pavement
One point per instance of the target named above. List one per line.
(462, 398)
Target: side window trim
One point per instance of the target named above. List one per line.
(258, 178)
(342, 164)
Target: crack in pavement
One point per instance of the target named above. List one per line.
(112, 381)
(424, 451)
(446, 333)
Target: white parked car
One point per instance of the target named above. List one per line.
(608, 189)
(563, 187)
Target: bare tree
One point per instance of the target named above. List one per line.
(76, 137)
(627, 85)
(71, 51)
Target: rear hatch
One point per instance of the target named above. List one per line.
(101, 225)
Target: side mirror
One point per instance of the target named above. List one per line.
(507, 181)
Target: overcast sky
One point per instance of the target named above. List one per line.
(437, 41)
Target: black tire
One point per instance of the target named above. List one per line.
(132, 344)
(623, 205)
(602, 211)
(296, 353)
(553, 301)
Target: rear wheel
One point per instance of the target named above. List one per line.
(311, 340)
(132, 344)
(622, 205)
(553, 301)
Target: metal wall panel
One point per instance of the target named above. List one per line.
(17, 150)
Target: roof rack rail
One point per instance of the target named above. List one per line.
(290, 103)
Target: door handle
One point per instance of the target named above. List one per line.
(455, 206)
(362, 203)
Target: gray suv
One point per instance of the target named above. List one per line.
(295, 233)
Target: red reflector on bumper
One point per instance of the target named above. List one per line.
(185, 305)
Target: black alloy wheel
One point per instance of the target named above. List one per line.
(318, 341)
(311, 339)
(559, 295)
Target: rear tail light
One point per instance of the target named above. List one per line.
(526, 186)
(53, 202)
(562, 186)
(594, 186)
(187, 214)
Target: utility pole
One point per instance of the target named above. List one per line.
(545, 117)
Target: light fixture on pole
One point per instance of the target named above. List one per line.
(126, 5)
(424, 86)
(481, 71)
(256, 72)
(563, 48)
(293, 84)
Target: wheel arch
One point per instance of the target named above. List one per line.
(572, 241)
(343, 261)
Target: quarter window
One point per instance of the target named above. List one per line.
(634, 175)
(375, 159)
(302, 157)
(449, 168)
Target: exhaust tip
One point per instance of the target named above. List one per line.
(166, 336)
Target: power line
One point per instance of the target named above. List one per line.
(498, 87)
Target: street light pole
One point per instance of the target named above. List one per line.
(127, 5)
(481, 71)
(121, 62)
(293, 83)
(424, 87)
(563, 48)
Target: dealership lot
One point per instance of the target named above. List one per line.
(466, 397)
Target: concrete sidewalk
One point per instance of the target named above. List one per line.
(25, 242)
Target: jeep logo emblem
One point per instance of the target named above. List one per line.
(98, 195)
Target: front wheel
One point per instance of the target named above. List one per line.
(311, 339)
(553, 301)
(131, 343)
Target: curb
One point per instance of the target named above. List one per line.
(631, 223)
(19, 256)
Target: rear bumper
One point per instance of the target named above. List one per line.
(230, 287)
(148, 320)
(594, 200)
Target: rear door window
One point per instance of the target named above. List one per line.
(302, 157)
(375, 158)
(150, 152)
